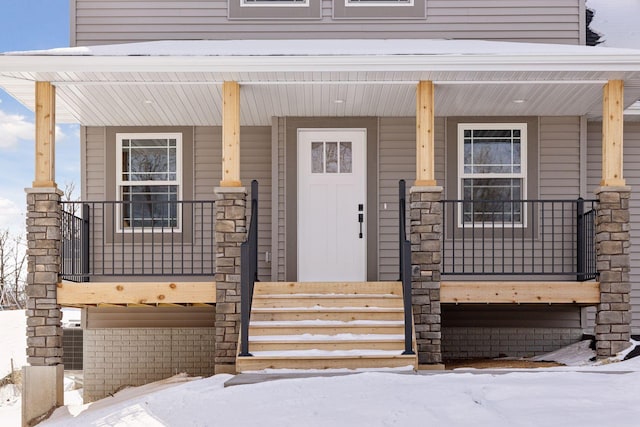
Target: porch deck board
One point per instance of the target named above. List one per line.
(520, 292)
(99, 293)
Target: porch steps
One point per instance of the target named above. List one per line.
(353, 325)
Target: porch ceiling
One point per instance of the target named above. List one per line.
(113, 86)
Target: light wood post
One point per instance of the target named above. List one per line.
(425, 119)
(612, 138)
(230, 135)
(45, 135)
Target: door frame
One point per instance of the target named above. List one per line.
(289, 140)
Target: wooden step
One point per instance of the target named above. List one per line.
(327, 345)
(333, 328)
(268, 288)
(338, 300)
(256, 363)
(299, 326)
(327, 313)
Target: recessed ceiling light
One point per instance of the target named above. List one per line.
(338, 101)
(148, 101)
(519, 101)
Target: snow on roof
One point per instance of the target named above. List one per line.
(326, 47)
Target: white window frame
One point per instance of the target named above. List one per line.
(375, 3)
(274, 3)
(120, 182)
(522, 127)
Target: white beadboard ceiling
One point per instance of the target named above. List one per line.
(116, 89)
(147, 104)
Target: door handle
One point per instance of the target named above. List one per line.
(360, 218)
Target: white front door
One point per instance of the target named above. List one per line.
(332, 217)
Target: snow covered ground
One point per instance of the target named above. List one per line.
(546, 398)
(582, 395)
(13, 340)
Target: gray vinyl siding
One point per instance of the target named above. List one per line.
(280, 255)
(122, 21)
(397, 148)
(94, 159)
(632, 176)
(559, 158)
(255, 153)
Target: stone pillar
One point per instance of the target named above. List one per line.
(231, 231)
(44, 329)
(613, 318)
(426, 233)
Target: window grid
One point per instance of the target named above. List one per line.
(149, 182)
(492, 176)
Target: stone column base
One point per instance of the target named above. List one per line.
(426, 233)
(613, 317)
(42, 392)
(231, 232)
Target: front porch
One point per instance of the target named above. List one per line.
(236, 117)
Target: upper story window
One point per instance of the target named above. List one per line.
(274, 9)
(149, 181)
(379, 9)
(492, 172)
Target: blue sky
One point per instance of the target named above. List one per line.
(29, 25)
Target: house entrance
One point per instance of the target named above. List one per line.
(332, 217)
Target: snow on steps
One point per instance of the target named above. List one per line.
(326, 326)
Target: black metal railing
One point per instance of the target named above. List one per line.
(519, 237)
(405, 267)
(75, 242)
(586, 242)
(141, 238)
(248, 271)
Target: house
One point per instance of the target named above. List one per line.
(512, 236)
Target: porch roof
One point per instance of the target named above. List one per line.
(179, 82)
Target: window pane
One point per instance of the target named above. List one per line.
(468, 159)
(516, 157)
(492, 157)
(345, 157)
(149, 160)
(149, 206)
(332, 157)
(491, 200)
(492, 133)
(149, 164)
(317, 158)
(491, 151)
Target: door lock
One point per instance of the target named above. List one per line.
(360, 218)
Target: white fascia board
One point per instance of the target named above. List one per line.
(399, 63)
